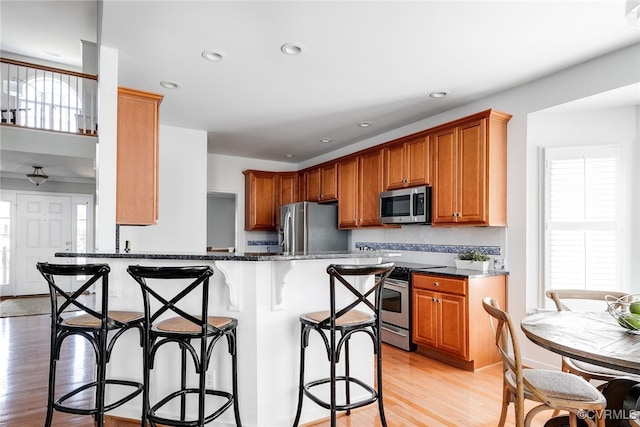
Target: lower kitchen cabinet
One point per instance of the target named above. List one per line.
(449, 322)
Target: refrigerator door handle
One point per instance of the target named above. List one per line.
(286, 240)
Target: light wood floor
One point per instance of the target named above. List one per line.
(418, 391)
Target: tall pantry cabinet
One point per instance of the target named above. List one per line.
(137, 157)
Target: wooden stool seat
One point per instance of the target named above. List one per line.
(89, 321)
(180, 324)
(353, 317)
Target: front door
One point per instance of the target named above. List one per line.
(43, 228)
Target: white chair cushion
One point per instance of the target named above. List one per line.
(559, 385)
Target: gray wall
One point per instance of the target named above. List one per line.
(221, 220)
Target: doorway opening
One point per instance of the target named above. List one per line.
(221, 222)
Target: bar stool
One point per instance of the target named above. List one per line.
(362, 314)
(94, 326)
(182, 328)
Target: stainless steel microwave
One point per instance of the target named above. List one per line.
(406, 206)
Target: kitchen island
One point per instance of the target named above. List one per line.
(266, 292)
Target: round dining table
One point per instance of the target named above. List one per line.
(593, 337)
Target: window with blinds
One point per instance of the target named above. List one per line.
(582, 208)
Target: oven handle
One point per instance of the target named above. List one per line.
(397, 283)
(393, 331)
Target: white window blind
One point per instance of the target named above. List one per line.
(582, 205)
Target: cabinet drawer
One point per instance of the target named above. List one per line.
(440, 284)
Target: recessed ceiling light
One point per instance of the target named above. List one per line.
(292, 48)
(212, 55)
(439, 94)
(325, 140)
(169, 84)
(365, 124)
(289, 156)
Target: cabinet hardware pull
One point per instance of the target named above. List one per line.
(436, 284)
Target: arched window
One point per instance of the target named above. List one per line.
(51, 102)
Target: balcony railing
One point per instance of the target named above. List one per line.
(47, 98)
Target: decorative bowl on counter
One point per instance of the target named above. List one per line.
(626, 311)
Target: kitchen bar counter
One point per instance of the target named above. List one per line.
(232, 256)
(267, 293)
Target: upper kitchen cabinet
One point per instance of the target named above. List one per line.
(287, 187)
(321, 183)
(137, 157)
(261, 200)
(265, 192)
(469, 163)
(360, 184)
(406, 164)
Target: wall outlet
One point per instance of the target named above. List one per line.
(210, 379)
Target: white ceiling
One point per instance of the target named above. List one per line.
(374, 61)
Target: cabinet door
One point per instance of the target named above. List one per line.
(348, 193)
(288, 188)
(472, 179)
(312, 182)
(261, 196)
(406, 164)
(417, 162)
(452, 325)
(394, 170)
(370, 186)
(329, 182)
(137, 157)
(321, 183)
(425, 313)
(444, 175)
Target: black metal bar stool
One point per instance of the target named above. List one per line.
(94, 325)
(182, 328)
(336, 326)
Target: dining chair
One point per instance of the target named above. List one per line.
(588, 371)
(555, 390)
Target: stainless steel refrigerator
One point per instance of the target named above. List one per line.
(307, 227)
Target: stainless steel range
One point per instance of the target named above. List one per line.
(396, 305)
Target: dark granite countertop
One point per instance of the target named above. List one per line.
(233, 256)
(457, 272)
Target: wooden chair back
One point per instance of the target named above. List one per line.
(558, 295)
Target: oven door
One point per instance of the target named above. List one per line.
(395, 303)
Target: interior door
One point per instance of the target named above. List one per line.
(43, 228)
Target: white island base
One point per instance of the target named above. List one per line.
(267, 298)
